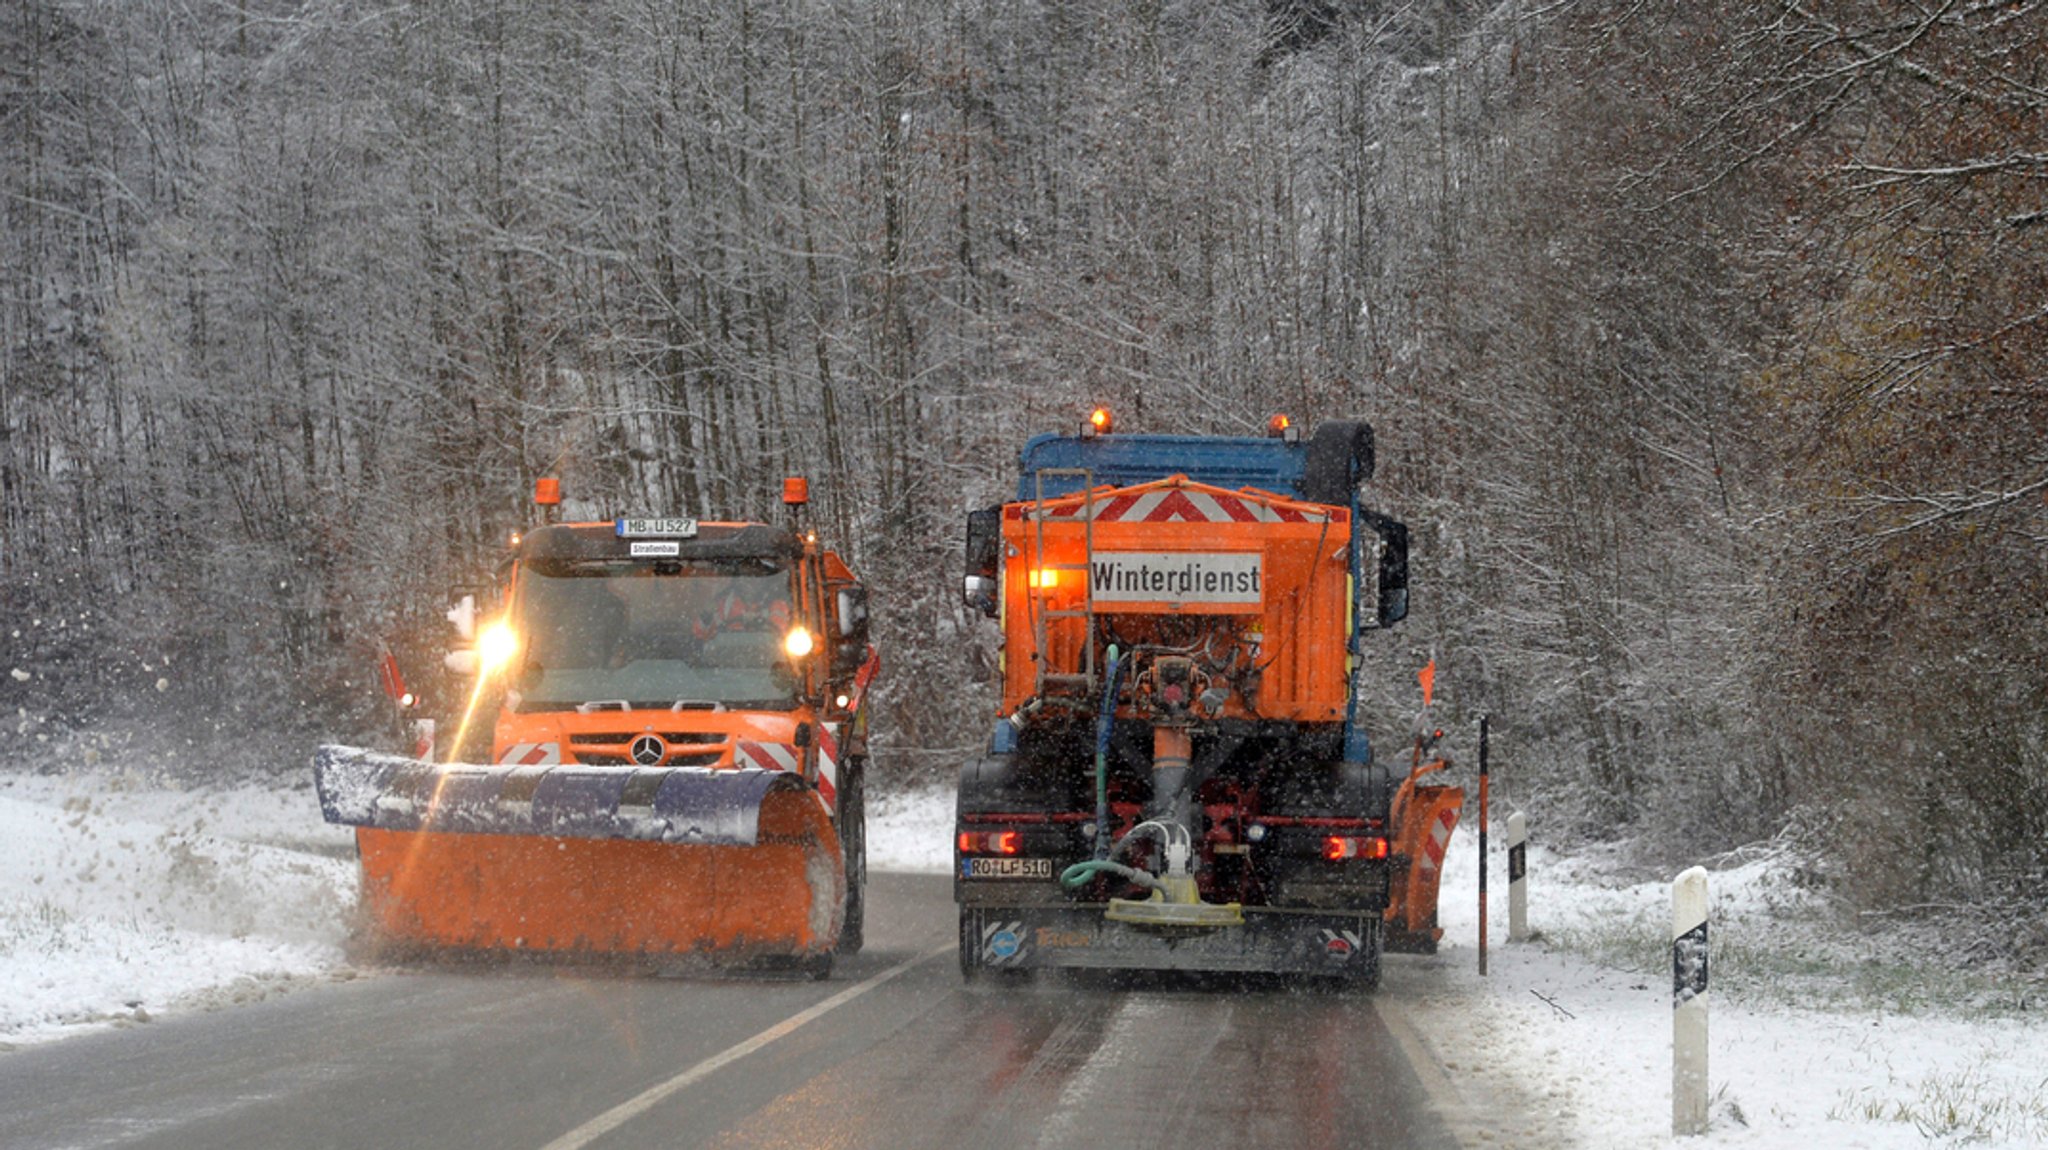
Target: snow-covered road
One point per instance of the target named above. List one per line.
(124, 901)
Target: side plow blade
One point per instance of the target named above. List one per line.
(588, 860)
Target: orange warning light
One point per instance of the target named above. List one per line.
(1099, 422)
(796, 491)
(547, 491)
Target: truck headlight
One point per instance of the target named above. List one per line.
(495, 646)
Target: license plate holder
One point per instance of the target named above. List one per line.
(1006, 867)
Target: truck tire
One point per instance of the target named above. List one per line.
(970, 948)
(1340, 457)
(853, 835)
(972, 969)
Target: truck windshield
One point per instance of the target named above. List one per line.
(651, 635)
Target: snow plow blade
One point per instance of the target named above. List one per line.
(1428, 816)
(587, 860)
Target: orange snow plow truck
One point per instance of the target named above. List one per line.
(1178, 776)
(677, 763)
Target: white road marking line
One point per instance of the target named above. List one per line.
(1444, 1096)
(647, 1099)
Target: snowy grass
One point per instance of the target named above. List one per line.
(38, 928)
(1789, 954)
(1822, 1035)
(1959, 1107)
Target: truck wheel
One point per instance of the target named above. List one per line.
(970, 947)
(973, 969)
(1367, 977)
(853, 834)
(1340, 457)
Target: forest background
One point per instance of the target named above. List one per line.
(1707, 346)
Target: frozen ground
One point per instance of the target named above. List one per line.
(122, 900)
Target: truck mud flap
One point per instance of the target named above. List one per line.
(696, 805)
(1269, 942)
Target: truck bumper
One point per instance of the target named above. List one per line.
(1076, 935)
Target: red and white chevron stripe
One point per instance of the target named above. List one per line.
(1182, 505)
(768, 756)
(786, 757)
(828, 765)
(1439, 837)
(532, 754)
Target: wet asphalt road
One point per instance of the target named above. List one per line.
(893, 1051)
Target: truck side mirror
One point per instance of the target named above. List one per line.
(1391, 605)
(1393, 597)
(851, 606)
(984, 559)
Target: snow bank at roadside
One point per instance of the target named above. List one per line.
(122, 898)
(911, 833)
(1586, 1043)
(119, 900)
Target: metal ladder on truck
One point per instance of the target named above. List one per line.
(1040, 597)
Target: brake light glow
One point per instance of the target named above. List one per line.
(1338, 848)
(991, 842)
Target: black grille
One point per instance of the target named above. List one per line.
(697, 759)
(619, 739)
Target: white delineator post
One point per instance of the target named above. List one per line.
(1689, 1002)
(1518, 877)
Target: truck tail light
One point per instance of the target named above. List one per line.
(990, 842)
(1338, 848)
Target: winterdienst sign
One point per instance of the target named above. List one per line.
(1225, 579)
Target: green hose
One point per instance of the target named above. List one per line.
(1081, 872)
(1104, 721)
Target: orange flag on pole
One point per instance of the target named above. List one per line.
(1427, 677)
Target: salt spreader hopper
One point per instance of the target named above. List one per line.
(1178, 776)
